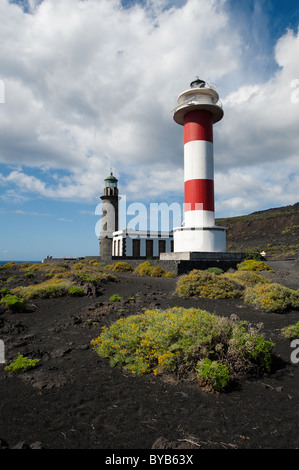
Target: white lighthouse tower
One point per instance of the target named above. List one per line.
(198, 109)
(109, 224)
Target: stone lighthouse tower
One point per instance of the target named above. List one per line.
(109, 216)
(198, 109)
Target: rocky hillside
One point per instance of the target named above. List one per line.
(275, 231)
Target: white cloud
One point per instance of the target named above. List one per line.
(92, 78)
(90, 85)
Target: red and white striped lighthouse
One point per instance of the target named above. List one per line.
(198, 109)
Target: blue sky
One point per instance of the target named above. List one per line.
(90, 85)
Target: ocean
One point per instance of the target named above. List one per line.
(9, 261)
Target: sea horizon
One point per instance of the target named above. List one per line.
(19, 262)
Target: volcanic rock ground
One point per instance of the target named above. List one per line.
(73, 399)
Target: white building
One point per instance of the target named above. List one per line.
(130, 243)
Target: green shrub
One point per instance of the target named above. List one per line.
(24, 265)
(120, 266)
(272, 297)
(75, 291)
(115, 298)
(45, 290)
(9, 279)
(5, 291)
(215, 270)
(251, 347)
(208, 285)
(29, 275)
(7, 265)
(291, 331)
(87, 278)
(212, 374)
(157, 271)
(147, 269)
(247, 278)
(22, 363)
(144, 269)
(253, 255)
(94, 263)
(13, 303)
(253, 265)
(170, 274)
(178, 339)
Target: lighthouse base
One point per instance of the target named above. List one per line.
(199, 239)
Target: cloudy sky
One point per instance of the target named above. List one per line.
(89, 85)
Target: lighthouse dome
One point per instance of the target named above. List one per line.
(111, 181)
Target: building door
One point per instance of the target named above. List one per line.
(149, 248)
(136, 247)
(162, 246)
(118, 250)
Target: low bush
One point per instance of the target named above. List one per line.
(4, 291)
(212, 374)
(157, 271)
(147, 269)
(94, 263)
(215, 270)
(8, 265)
(272, 297)
(119, 266)
(144, 269)
(87, 278)
(29, 275)
(115, 298)
(22, 363)
(178, 339)
(13, 303)
(247, 278)
(291, 331)
(253, 265)
(45, 290)
(209, 285)
(253, 254)
(75, 291)
(8, 280)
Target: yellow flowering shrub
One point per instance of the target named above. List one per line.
(48, 289)
(120, 266)
(144, 269)
(247, 278)
(272, 297)
(147, 269)
(209, 285)
(177, 339)
(253, 265)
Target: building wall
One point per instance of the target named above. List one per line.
(140, 244)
